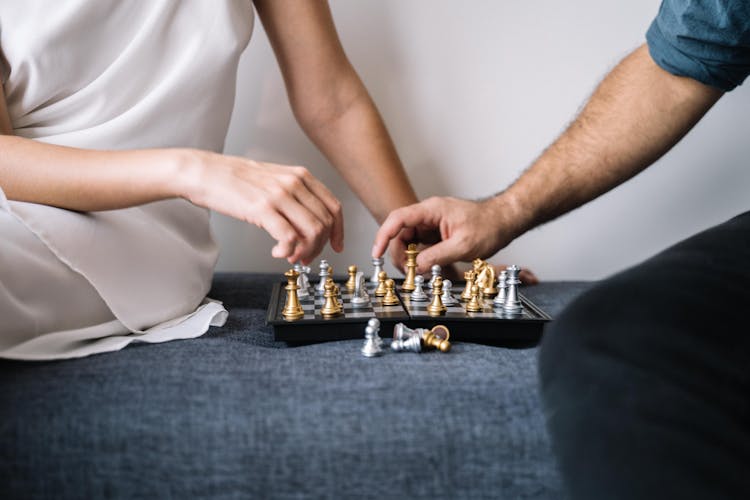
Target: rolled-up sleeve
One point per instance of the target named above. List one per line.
(707, 41)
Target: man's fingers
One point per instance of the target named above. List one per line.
(445, 252)
(399, 219)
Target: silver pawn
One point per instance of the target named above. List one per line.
(435, 270)
(413, 344)
(377, 264)
(502, 288)
(373, 342)
(323, 274)
(512, 304)
(360, 297)
(447, 297)
(418, 294)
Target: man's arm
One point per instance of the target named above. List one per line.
(332, 105)
(635, 116)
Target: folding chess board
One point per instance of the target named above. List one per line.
(489, 325)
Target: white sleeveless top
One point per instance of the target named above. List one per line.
(113, 74)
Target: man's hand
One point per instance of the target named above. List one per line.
(459, 230)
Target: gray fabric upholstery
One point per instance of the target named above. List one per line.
(234, 414)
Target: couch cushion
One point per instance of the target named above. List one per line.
(235, 414)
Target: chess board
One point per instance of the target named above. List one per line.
(489, 325)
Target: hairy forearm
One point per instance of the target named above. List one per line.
(87, 180)
(635, 116)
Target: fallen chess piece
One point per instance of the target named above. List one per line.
(415, 339)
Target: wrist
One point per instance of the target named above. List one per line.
(185, 173)
(514, 217)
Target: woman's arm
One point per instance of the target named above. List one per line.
(332, 105)
(288, 202)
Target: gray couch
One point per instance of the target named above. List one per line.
(234, 414)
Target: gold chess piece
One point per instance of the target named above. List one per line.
(351, 283)
(380, 290)
(469, 277)
(390, 298)
(411, 268)
(292, 309)
(474, 305)
(436, 307)
(430, 339)
(331, 307)
(485, 277)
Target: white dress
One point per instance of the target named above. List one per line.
(113, 74)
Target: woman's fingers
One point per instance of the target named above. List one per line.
(331, 203)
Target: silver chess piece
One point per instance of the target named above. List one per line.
(412, 344)
(502, 288)
(373, 343)
(435, 270)
(303, 281)
(448, 298)
(403, 332)
(360, 298)
(418, 294)
(377, 264)
(512, 305)
(323, 273)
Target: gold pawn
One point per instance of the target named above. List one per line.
(351, 283)
(380, 290)
(390, 298)
(330, 308)
(432, 340)
(473, 305)
(292, 309)
(411, 268)
(469, 276)
(436, 307)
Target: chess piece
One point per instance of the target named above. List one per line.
(377, 264)
(412, 344)
(380, 290)
(435, 270)
(390, 298)
(418, 294)
(502, 288)
(351, 283)
(403, 332)
(360, 298)
(331, 307)
(411, 268)
(474, 305)
(430, 339)
(512, 305)
(436, 307)
(469, 277)
(373, 342)
(303, 285)
(323, 273)
(448, 299)
(292, 309)
(484, 278)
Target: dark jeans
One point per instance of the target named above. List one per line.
(646, 377)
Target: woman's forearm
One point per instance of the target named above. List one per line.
(88, 180)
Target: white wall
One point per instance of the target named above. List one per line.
(472, 92)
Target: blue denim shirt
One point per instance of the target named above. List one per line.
(707, 40)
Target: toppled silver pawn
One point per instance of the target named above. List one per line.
(448, 298)
(373, 342)
(418, 294)
(413, 344)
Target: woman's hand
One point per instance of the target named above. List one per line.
(294, 207)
